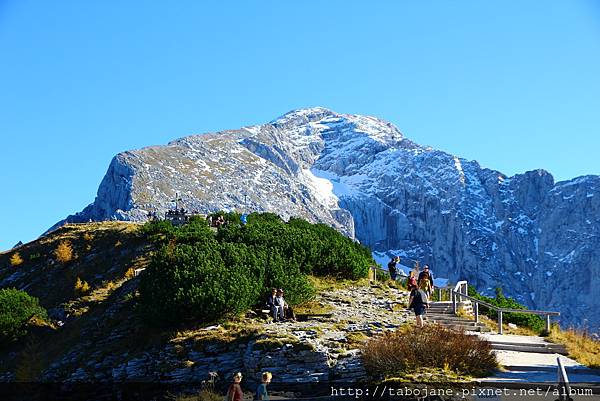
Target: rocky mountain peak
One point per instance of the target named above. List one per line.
(360, 175)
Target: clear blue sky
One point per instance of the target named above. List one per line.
(515, 85)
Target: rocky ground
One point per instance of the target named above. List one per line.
(106, 343)
(354, 314)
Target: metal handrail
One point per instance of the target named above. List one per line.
(563, 381)
(456, 293)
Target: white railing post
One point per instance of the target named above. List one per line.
(500, 321)
(548, 324)
(476, 311)
(453, 294)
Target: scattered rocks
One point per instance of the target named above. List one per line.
(323, 350)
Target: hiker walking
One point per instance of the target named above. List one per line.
(419, 303)
(411, 281)
(425, 280)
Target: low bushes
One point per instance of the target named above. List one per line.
(16, 309)
(198, 274)
(399, 353)
(533, 322)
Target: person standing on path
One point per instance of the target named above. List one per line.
(392, 268)
(411, 281)
(419, 303)
(235, 393)
(261, 391)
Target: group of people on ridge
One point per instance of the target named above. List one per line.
(420, 285)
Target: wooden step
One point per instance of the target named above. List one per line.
(481, 329)
(531, 347)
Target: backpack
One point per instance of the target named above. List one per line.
(425, 282)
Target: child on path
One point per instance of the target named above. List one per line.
(235, 393)
(261, 391)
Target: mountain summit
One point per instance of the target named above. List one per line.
(537, 239)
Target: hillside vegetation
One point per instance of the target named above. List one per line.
(98, 309)
(202, 275)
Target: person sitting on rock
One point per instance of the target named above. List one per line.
(234, 392)
(271, 304)
(261, 391)
(284, 310)
(419, 303)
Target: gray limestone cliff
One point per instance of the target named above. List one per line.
(538, 240)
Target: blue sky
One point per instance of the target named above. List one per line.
(514, 85)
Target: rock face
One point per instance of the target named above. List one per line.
(537, 239)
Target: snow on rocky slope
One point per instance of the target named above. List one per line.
(537, 239)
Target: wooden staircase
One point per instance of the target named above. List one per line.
(441, 313)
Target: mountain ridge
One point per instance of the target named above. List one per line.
(362, 176)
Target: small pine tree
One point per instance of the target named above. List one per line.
(81, 287)
(64, 252)
(16, 259)
(130, 273)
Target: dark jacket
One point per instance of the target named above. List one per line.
(271, 301)
(392, 269)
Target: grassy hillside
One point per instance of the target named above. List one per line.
(101, 255)
(83, 274)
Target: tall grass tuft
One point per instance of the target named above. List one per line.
(580, 346)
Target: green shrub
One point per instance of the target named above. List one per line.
(534, 322)
(400, 353)
(202, 275)
(16, 309)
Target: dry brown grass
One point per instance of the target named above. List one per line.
(16, 259)
(580, 346)
(404, 351)
(64, 251)
(356, 339)
(313, 308)
(203, 395)
(331, 283)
